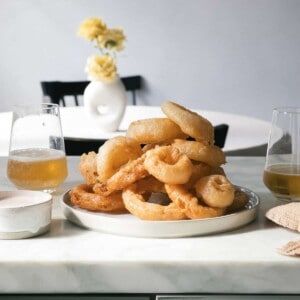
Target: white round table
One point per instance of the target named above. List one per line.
(244, 132)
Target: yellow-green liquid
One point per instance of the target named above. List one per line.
(283, 180)
(37, 169)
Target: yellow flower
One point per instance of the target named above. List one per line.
(101, 68)
(108, 41)
(91, 28)
(112, 39)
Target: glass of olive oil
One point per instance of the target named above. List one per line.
(37, 159)
(282, 168)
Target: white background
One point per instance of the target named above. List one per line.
(238, 56)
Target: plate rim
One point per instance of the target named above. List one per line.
(73, 214)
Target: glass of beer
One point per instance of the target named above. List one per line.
(37, 159)
(282, 168)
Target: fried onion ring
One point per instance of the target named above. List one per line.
(82, 195)
(239, 202)
(88, 167)
(187, 201)
(152, 146)
(150, 184)
(215, 191)
(168, 165)
(190, 122)
(200, 169)
(128, 174)
(154, 130)
(199, 151)
(135, 202)
(114, 153)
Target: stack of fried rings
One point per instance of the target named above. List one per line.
(156, 157)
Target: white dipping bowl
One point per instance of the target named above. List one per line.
(24, 214)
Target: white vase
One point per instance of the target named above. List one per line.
(105, 103)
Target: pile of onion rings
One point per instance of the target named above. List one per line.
(158, 160)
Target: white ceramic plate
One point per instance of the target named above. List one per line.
(127, 224)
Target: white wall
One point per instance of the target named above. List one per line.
(239, 56)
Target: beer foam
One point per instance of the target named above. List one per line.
(29, 155)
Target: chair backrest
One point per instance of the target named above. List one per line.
(221, 134)
(57, 90)
(79, 146)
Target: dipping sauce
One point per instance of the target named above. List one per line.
(24, 214)
(17, 201)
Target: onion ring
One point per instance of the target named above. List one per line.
(128, 174)
(154, 130)
(190, 122)
(152, 146)
(187, 201)
(200, 169)
(239, 201)
(136, 203)
(168, 165)
(215, 191)
(199, 151)
(82, 195)
(88, 167)
(150, 184)
(114, 153)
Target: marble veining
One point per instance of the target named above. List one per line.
(70, 259)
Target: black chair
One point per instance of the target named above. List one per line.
(79, 146)
(58, 90)
(221, 134)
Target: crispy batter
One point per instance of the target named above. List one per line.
(239, 202)
(115, 153)
(136, 202)
(124, 175)
(215, 190)
(154, 130)
(130, 173)
(190, 204)
(168, 165)
(190, 122)
(88, 168)
(199, 151)
(83, 196)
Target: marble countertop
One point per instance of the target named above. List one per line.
(70, 259)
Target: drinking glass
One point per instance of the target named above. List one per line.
(37, 159)
(282, 168)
